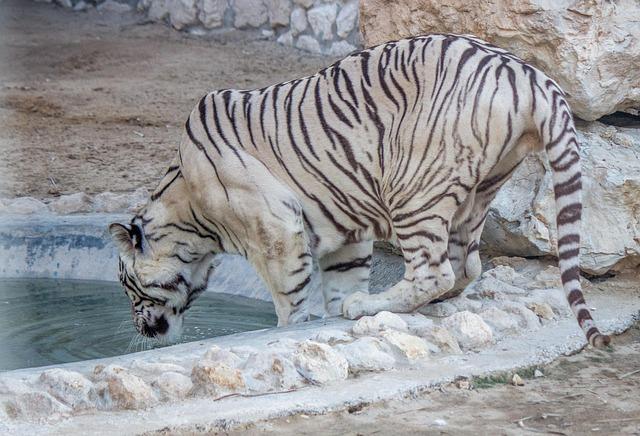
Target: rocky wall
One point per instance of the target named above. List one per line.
(319, 26)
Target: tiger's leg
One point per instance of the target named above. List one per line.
(428, 272)
(344, 272)
(466, 231)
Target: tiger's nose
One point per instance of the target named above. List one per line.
(160, 326)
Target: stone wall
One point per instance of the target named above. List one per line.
(318, 26)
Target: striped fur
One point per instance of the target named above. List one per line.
(407, 142)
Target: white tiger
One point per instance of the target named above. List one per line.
(407, 142)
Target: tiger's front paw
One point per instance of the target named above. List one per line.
(357, 305)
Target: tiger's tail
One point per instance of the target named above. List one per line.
(557, 132)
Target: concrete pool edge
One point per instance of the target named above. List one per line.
(206, 414)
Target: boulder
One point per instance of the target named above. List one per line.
(127, 391)
(469, 329)
(211, 14)
(367, 354)
(24, 206)
(341, 48)
(269, 372)
(249, 13)
(521, 220)
(278, 12)
(443, 339)
(408, 346)
(591, 48)
(182, 13)
(172, 385)
(321, 19)
(112, 6)
(347, 19)
(308, 43)
(69, 387)
(298, 21)
(333, 336)
(319, 363)
(371, 325)
(72, 203)
(216, 378)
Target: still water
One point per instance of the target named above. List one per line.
(45, 321)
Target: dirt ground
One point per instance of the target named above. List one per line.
(93, 102)
(593, 392)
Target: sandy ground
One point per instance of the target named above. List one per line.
(593, 392)
(93, 102)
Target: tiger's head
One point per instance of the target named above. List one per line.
(166, 255)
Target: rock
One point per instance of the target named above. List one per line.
(521, 220)
(469, 329)
(114, 7)
(347, 19)
(591, 49)
(34, 405)
(65, 3)
(285, 39)
(158, 10)
(408, 346)
(537, 373)
(514, 262)
(269, 372)
(367, 354)
(216, 378)
(267, 33)
(442, 338)
(516, 380)
(182, 13)
(298, 21)
(319, 363)
(333, 337)
(527, 320)
(371, 325)
(463, 383)
(127, 391)
(500, 321)
(278, 12)
(25, 206)
(80, 6)
(490, 287)
(417, 324)
(143, 367)
(321, 19)
(73, 203)
(304, 3)
(439, 422)
(211, 14)
(172, 385)
(543, 310)
(555, 298)
(341, 48)
(69, 387)
(308, 43)
(504, 273)
(438, 310)
(249, 13)
(462, 302)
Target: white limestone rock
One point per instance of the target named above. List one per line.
(69, 387)
(372, 325)
(216, 378)
(319, 363)
(592, 49)
(443, 339)
(341, 48)
(298, 21)
(462, 302)
(521, 220)
(211, 14)
(72, 203)
(172, 385)
(500, 321)
(347, 19)
(469, 329)
(25, 206)
(158, 10)
(278, 12)
(308, 43)
(321, 19)
(543, 310)
(249, 13)
(304, 3)
(114, 7)
(408, 346)
(270, 372)
(417, 324)
(80, 6)
(126, 391)
(489, 287)
(333, 337)
(438, 310)
(183, 13)
(527, 320)
(285, 39)
(367, 354)
(142, 367)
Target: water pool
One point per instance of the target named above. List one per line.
(46, 321)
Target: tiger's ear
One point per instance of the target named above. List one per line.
(121, 236)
